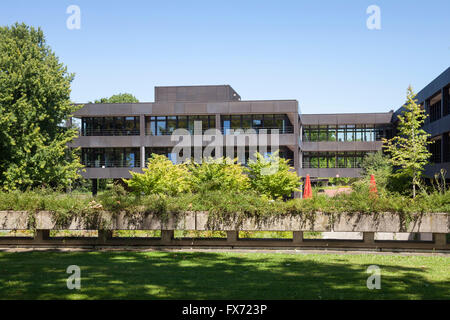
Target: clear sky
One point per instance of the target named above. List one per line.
(318, 52)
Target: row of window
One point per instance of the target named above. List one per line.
(344, 133)
(333, 159)
(130, 157)
(166, 125)
(110, 157)
(440, 149)
(243, 158)
(435, 111)
(257, 122)
(440, 108)
(110, 126)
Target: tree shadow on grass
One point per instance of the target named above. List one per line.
(212, 275)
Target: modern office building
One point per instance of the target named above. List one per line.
(117, 138)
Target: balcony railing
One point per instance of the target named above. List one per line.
(269, 130)
(337, 166)
(110, 132)
(112, 164)
(168, 132)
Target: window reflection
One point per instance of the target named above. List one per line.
(341, 133)
(333, 159)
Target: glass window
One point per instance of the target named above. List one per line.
(331, 133)
(268, 121)
(226, 124)
(332, 160)
(257, 122)
(322, 161)
(171, 124)
(350, 133)
(359, 133)
(160, 126)
(341, 133)
(246, 121)
(235, 122)
(182, 122)
(314, 160)
(280, 123)
(314, 133)
(212, 122)
(323, 133)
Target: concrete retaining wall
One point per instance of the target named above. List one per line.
(379, 222)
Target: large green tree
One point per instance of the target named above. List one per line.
(408, 149)
(34, 105)
(119, 98)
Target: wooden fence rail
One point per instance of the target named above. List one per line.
(42, 222)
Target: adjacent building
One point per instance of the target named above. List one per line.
(435, 99)
(118, 138)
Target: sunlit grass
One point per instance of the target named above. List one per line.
(224, 275)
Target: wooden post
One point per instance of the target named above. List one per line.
(104, 236)
(232, 236)
(166, 236)
(440, 239)
(369, 237)
(41, 235)
(297, 236)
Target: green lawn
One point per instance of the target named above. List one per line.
(209, 275)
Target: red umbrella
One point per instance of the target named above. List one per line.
(308, 191)
(373, 185)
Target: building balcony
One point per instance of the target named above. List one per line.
(109, 132)
(108, 173)
(330, 172)
(341, 146)
(112, 164)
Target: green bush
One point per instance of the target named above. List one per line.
(160, 177)
(273, 177)
(217, 174)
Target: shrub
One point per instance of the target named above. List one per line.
(160, 177)
(217, 174)
(377, 164)
(273, 177)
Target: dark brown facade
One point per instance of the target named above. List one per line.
(118, 138)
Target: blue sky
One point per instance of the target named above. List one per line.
(318, 52)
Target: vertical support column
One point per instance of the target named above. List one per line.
(94, 186)
(440, 239)
(142, 139)
(166, 236)
(41, 235)
(142, 125)
(232, 236)
(143, 157)
(427, 110)
(369, 237)
(446, 100)
(297, 237)
(218, 123)
(219, 128)
(104, 236)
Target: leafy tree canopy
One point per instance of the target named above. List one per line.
(119, 98)
(273, 176)
(408, 149)
(34, 102)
